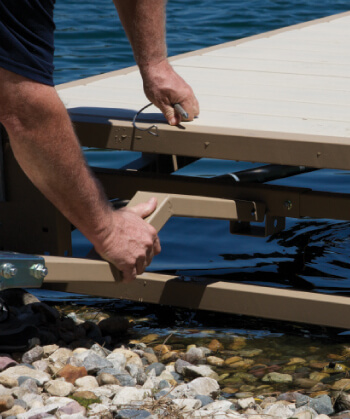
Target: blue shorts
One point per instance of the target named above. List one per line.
(27, 38)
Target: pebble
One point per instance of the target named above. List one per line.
(149, 378)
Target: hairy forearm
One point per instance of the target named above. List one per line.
(144, 24)
(50, 155)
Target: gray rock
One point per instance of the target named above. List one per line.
(180, 365)
(177, 377)
(276, 377)
(204, 399)
(33, 355)
(322, 405)
(29, 385)
(133, 414)
(125, 380)
(164, 394)
(111, 371)
(158, 367)
(141, 378)
(163, 384)
(302, 399)
(94, 363)
(194, 355)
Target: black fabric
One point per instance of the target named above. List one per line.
(27, 38)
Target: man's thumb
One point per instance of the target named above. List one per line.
(145, 208)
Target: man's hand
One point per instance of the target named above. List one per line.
(132, 242)
(164, 87)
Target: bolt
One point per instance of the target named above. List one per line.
(39, 271)
(7, 270)
(288, 205)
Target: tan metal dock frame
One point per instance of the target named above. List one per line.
(43, 230)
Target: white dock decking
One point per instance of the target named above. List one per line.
(281, 97)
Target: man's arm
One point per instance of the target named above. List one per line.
(45, 146)
(144, 24)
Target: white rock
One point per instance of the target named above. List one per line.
(59, 388)
(170, 368)
(244, 403)
(22, 370)
(108, 390)
(150, 384)
(58, 401)
(60, 356)
(305, 413)
(279, 410)
(183, 390)
(118, 360)
(51, 408)
(218, 406)
(200, 371)
(322, 417)
(89, 382)
(4, 391)
(72, 416)
(79, 350)
(97, 409)
(130, 356)
(33, 401)
(166, 375)
(217, 415)
(204, 386)
(127, 395)
(187, 405)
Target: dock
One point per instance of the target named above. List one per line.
(279, 98)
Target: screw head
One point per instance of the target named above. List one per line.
(7, 270)
(39, 271)
(288, 205)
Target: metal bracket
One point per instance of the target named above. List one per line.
(198, 207)
(18, 270)
(273, 225)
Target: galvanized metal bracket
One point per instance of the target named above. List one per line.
(18, 270)
(198, 207)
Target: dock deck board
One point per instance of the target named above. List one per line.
(280, 97)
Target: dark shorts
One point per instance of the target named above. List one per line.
(27, 38)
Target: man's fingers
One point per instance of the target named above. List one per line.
(145, 208)
(129, 274)
(171, 115)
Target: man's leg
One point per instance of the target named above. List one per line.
(45, 146)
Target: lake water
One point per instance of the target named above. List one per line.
(309, 254)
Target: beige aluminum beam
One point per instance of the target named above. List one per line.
(98, 278)
(198, 207)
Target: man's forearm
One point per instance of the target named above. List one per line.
(144, 24)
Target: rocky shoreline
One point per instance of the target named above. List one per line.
(81, 369)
